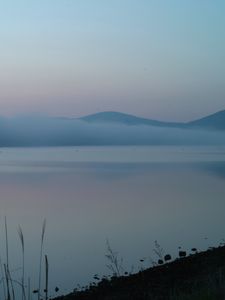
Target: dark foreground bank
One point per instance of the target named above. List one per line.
(200, 276)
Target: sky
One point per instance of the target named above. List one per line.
(161, 59)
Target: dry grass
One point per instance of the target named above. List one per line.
(10, 285)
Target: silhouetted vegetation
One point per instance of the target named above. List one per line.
(191, 276)
(11, 286)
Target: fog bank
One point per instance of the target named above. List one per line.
(44, 131)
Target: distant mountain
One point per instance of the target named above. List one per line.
(126, 119)
(109, 128)
(214, 121)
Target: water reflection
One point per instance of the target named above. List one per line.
(175, 196)
(215, 168)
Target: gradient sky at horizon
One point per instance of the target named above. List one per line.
(162, 59)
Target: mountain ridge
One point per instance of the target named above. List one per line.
(212, 121)
(124, 118)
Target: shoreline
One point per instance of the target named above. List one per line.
(197, 276)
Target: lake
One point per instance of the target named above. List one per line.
(131, 196)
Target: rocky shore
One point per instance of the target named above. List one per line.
(198, 276)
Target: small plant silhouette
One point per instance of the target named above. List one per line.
(115, 264)
(158, 250)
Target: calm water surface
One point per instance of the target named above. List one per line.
(129, 195)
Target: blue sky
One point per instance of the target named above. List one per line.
(162, 59)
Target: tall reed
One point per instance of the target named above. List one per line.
(20, 233)
(41, 254)
(6, 266)
(11, 283)
(8, 282)
(46, 277)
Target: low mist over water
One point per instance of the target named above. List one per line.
(131, 196)
(44, 131)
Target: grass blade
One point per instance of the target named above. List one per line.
(3, 278)
(7, 282)
(20, 233)
(46, 277)
(41, 253)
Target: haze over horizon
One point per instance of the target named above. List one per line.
(40, 115)
(162, 60)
